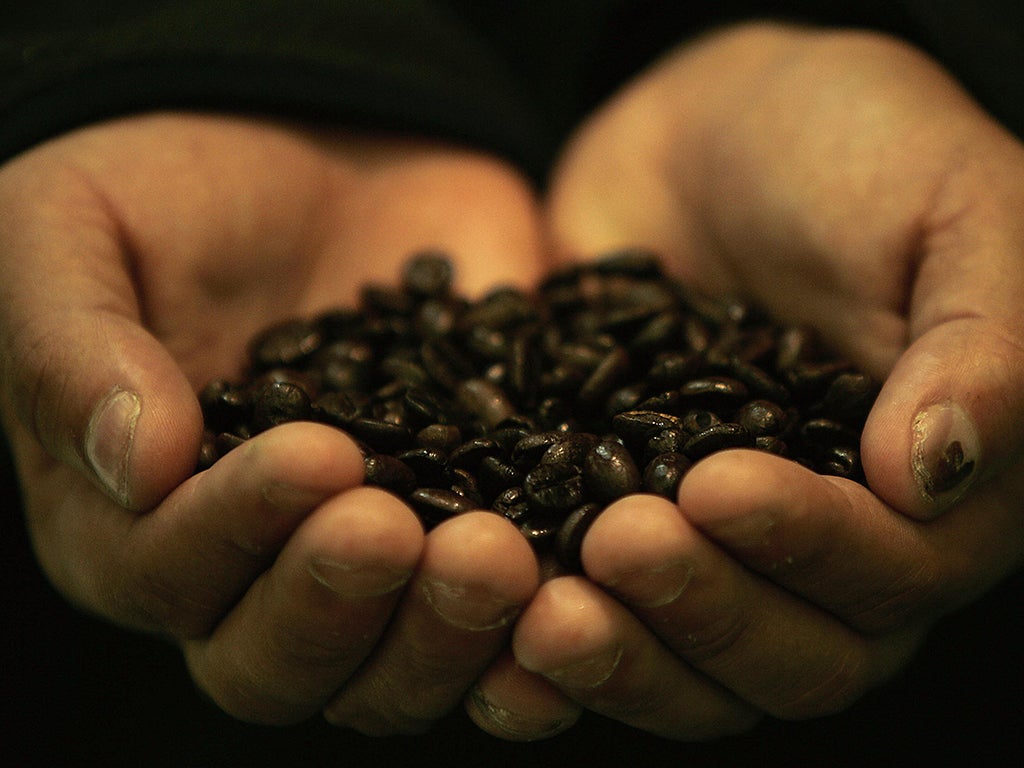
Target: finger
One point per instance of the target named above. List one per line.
(591, 647)
(770, 648)
(179, 568)
(81, 374)
(513, 704)
(306, 624)
(475, 575)
(834, 543)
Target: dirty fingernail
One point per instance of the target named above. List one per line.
(944, 453)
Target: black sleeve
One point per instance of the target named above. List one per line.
(401, 65)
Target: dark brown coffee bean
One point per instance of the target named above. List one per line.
(570, 535)
(571, 449)
(344, 365)
(523, 368)
(713, 393)
(435, 505)
(606, 376)
(446, 364)
(637, 263)
(771, 444)
(663, 474)
(224, 405)
(529, 450)
(484, 401)
(827, 433)
(670, 370)
(761, 417)
(435, 318)
(428, 274)
(387, 472)
(637, 427)
(666, 441)
(555, 486)
(609, 472)
(661, 331)
(512, 503)
(663, 402)
(444, 437)
(338, 408)
(720, 437)
(842, 461)
(423, 407)
(698, 420)
(285, 344)
(277, 403)
(383, 436)
(429, 464)
(540, 529)
(495, 475)
(472, 452)
(465, 484)
(626, 398)
(848, 398)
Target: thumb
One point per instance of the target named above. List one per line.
(951, 413)
(84, 379)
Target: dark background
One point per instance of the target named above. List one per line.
(76, 692)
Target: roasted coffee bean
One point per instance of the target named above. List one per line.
(843, 461)
(465, 484)
(569, 538)
(435, 505)
(571, 449)
(605, 377)
(771, 444)
(484, 401)
(435, 318)
(554, 486)
(445, 363)
(713, 393)
(428, 274)
(383, 436)
(523, 368)
(512, 503)
(663, 474)
(472, 452)
(698, 420)
(827, 433)
(848, 398)
(279, 402)
(495, 475)
(637, 263)
(540, 529)
(670, 370)
(429, 465)
(286, 344)
(720, 437)
(609, 472)
(338, 408)
(626, 398)
(529, 450)
(663, 402)
(659, 332)
(444, 437)
(387, 472)
(424, 407)
(761, 418)
(666, 441)
(345, 365)
(224, 405)
(637, 427)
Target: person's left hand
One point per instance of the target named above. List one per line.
(841, 180)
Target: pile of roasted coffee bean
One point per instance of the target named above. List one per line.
(609, 378)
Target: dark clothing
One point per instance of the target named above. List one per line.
(509, 77)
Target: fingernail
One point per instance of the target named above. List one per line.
(944, 453)
(468, 607)
(514, 725)
(109, 438)
(590, 672)
(654, 587)
(353, 580)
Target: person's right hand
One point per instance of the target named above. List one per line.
(137, 258)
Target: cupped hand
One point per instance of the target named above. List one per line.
(843, 180)
(137, 258)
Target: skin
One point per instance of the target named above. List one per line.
(138, 257)
(789, 165)
(840, 179)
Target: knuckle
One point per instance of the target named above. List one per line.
(151, 603)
